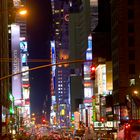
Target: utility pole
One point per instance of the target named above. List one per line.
(0, 117)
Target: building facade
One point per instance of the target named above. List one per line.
(5, 87)
(60, 73)
(19, 53)
(125, 57)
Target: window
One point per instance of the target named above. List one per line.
(131, 41)
(130, 2)
(131, 55)
(130, 27)
(130, 14)
(132, 69)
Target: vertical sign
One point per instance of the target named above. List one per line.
(16, 64)
(94, 108)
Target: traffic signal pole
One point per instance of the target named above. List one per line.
(31, 69)
(43, 66)
(0, 117)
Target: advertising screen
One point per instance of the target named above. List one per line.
(89, 42)
(25, 75)
(88, 92)
(16, 65)
(23, 46)
(25, 93)
(101, 78)
(24, 58)
(88, 55)
(53, 57)
(62, 108)
(25, 111)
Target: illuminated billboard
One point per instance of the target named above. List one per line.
(88, 92)
(24, 58)
(89, 49)
(16, 65)
(62, 108)
(25, 75)
(23, 46)
(25, 111)
(26, 93)
(17, 3)
(53, 57)
(89, 42)
(101, 78)
(53, 99)
(109, 77)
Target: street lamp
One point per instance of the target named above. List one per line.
(22, 11)
(134, 93)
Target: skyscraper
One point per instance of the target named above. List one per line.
(20, 83)
(60, 53)
(94, 14)
(79, 31)
(125, 57)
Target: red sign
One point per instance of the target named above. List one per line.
(93, 97)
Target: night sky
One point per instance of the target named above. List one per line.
(39, 33)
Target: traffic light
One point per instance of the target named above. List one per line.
(92, 72)
(102, 119)
(43, 120)
(72, 117)
(11, 110)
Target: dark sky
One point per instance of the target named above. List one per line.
(39, 32)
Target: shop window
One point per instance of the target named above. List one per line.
(130, 2)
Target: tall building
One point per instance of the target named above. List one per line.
(60, 53)
(87, 111)
(4, 66)
(79, 31)
(88, 86)
(102, 61)
(19, 50)
(125, 57)
(102, 32)
(93, 14)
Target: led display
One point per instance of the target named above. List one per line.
(25, 93)
(88, 92)
(24, 58)
(101, 79)
(23, 46)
